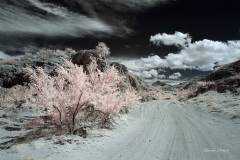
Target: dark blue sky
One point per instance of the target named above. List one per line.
(217, 20)
(202, 19)
(211, 19)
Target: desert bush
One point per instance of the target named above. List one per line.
(102, 49)
(207, 83)
(201, 88)
(150, 95)
(15, 97)
(8, 61)
(62, 97)
(57, 52)
(185, 94)
(235, 77)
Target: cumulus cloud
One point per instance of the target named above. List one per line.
(162, 76)
(176, 75)
(152, 62)
(152, 73)
(145, 74)
(4, 55)
(177, 39)
(201, 55)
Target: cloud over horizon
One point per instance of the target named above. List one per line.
(176, 75)
(177, 39)
(201, 55)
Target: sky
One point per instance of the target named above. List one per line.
(180, 34)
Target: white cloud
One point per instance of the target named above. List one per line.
(59, 21)
(152, 62)
(176, 75)
(133, 65)
(4, 55)
(133, 4)
(145, 74)
(153, 72)
(201, 55)
(49, 19)
(177, 39)
(161, 76)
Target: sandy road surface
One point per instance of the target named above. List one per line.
(171, 131)
(157, 130)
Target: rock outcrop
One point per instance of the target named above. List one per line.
(227, 78)
(158, 83)
(224, 79)
(12, 70)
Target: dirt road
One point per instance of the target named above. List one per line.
(169, 130)
(158, 130)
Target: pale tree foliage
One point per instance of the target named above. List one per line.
(185, 94)
(63, 96)
(102, 49)
(108, 98)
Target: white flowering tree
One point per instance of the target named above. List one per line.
(102, 49)
(63, 96)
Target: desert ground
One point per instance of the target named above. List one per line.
(204, 127)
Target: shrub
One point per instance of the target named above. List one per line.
(201, 88)
(102, 49)
(150, 94)
(55, 52)
(185, 94)
(71, 91)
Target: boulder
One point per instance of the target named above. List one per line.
(120, 67)
(136, 82)
(12, 73)
(158, 83)
(225, 71)
(85, 57)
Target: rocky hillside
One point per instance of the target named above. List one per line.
(224, 79)
(12, 70)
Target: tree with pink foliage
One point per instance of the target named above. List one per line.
(108, 98)
(63, 96)
(102, 49)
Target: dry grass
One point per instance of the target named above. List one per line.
(208, 83)
(201, 88)
(8, 61)
(234, 77)
(56, 52)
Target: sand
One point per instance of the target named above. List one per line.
(202, 128)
